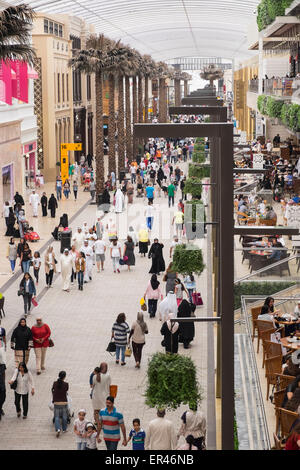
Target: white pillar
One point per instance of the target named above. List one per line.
(260, 64)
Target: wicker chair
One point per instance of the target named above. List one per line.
(286, 419)
(277, 442)
(262, 325)
(277, 401)
(284, 380)
(255, 311)
(273, 366)
(271, 349)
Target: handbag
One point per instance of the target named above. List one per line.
(14, 385)
(21, 292)
(111, 348)
(128, 351)
(51, 343)
(197, 299)
(144, 307)
(34, 302)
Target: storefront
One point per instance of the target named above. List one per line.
(29, 152)
(8, 182)
(11, 161)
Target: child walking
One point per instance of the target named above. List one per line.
(179, 288)
(91, 435)
(36, 265)
(138, 435)
(79, 429)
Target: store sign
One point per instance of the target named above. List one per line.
(258, 161)
(259, 129)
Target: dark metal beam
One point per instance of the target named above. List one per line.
(265, 230)
(207, 129)
(202, 101)
(251, 171)
(196, 319)
(200, 110)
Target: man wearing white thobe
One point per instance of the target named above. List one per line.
(34, 201)
(66, 263)
(161, 434)
(119, 201)
(78, 239)
(88, 252)
(85, 229)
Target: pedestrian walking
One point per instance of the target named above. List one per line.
(170, 332)
(12, 254)
(79, 429)
(88, 253)
(60, 401)
(2, 382)
(66, 189)
(100, 389)
(100, 249)
(75, 189)
(153, 294)
(52, 205)
(24, 381)
(115, 254)
(34, 201)
(91, 436)
(179, 289)
(25, 258)
(66, 263)
(190, 284)
(143, 240)
(11, 219)
(171, 193)
(161, 433)
(119, 333)
(58, 187)
(187, 329)
(138, 435)
(194, 424)
(111, 421)
(149, 216)
(138, 331)
(129, 252)
(28, 291)
(44, 204)
(78, 239)
(80, 269)
(92, 189)
(74, 253)
(40, 335)
(156, 253)
(50, 265)
(36, 262)
(170, 277)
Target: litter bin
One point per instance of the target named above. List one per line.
(65, 240)
(122, 175)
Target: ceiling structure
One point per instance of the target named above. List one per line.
(166, 28)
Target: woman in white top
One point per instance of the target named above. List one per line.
(115, 254)
(50, 267)
(100, 389)
(24, 384)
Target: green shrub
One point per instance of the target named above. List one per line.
(293, 110)
(235, 433)
(199, 171)
(262, 104)
(200, 140)
(263, 17)
(267, 11)
(266, 288)
(285, 114)
(274, 107)
(172, 381)
(188, 259)
(199, 157)
(193, 186)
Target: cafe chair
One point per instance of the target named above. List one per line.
(285, 266)
(271, 349)
(255, 311)
(273, 366)
(283, 381)
(277, 402)
(286, 420)
(277, 442)
(263, 325)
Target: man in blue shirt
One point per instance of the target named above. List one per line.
(150, 192)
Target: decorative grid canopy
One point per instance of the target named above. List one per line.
(166, 28)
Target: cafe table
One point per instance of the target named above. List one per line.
(295, 346)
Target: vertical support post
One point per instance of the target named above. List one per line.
(226, 286)
(260, 64)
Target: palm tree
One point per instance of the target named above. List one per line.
(89, 61)
(163, 72)
(177, 79)
(15, 27)
(150, 72)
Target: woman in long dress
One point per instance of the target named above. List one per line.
(156, 253)
(170, 331)
(66, 262)
(129, 252)
(119, 206)
(101, 389)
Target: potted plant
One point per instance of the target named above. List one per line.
(199, 171)
(193, 186)
(172, 381)
(188, 259)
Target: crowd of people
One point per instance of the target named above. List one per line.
(151, 178)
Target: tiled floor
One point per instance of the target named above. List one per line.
(81, 326)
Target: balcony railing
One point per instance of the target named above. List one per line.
(283, 87)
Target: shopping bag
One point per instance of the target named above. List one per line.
(144, 307)
(34, 302)
(113, 389)
(128, 351)
(197, 299)
(111, 348)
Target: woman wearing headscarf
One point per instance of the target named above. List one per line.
(100, 389)
(129, 252)
(170, 332)
(187, 330)
(10, 223)
(21, 342)
(170, 277)
(52, 205)
(50, 267)
(153, 293)
(105, 201)
(138, 331)
(156, 253)
(40, 335)
(168, 305)
(143, 240)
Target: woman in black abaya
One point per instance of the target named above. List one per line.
(156, 253)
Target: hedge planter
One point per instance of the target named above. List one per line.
(199, 171)
(172, 381)
(188, 259)
(193, 186)
(266, 288)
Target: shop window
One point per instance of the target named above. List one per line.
(60, 30)
(67, 85)
(58, 88)
(51, 27)
(56, 29)
(46, 26)
(88, 87)
(63, 87)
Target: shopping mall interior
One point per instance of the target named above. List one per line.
(137, 132)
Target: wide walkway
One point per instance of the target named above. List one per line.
(81, 327)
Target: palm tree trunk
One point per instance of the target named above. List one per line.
(111, 125)
(146, 98)
(128, 121)
(140, 100)
(162, 116)
(135, 117)
(177, 92)
(185, 88)
(121, 129)
(99, 135)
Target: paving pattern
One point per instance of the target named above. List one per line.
(81, 326)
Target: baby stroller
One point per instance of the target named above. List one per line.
(70, 412)
(29, 234)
